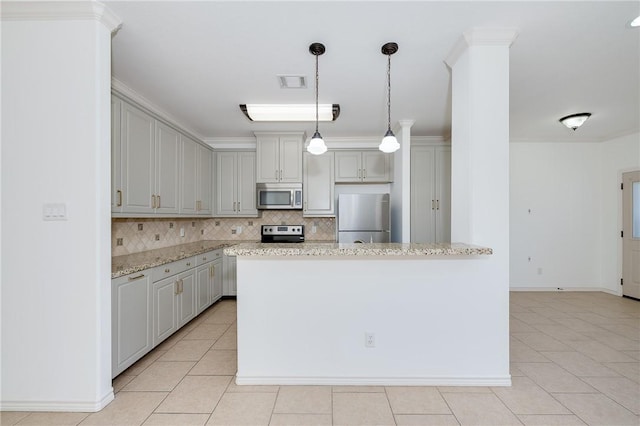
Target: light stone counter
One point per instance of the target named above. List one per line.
(130, 263)
(369, 249)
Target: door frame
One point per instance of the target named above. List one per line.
(621, 178)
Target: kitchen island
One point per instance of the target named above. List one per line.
(370, 314)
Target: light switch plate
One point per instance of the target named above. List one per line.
(54, 211)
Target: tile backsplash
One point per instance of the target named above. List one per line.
(136, 235)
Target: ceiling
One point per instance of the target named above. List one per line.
(198, 60)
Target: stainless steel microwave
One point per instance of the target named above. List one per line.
(279, 196)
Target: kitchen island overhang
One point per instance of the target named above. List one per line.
(437, 314)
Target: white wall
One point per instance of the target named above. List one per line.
(55, 275)
(572, 230)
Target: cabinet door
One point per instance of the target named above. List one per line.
(165, 309)
(376, 166)
(226, 203)
(246, 183)
(268, 159)
(203, 287)
(216, 279)
(291, 159)
(205, 180)
(318, 184)
(229, 274)
(116, 161)
(423, 197)
(138, 160)
(131, 324)
(187, 297)
(168, 167)
(189, 172)
(348, 166)
(443, 194)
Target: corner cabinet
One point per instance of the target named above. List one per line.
(152, 167)
(430, 194)
(279, 157)
(318, 185)
(235, 184)
(369, 166)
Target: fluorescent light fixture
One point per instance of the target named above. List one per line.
(290, 112)
(635, 22)
(574, 121)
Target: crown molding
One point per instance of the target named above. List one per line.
(231, 142)
(481, 37)
(124, 91)
(60, 11)
(429, 140)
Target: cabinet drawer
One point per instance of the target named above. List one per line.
(169, 269)
(207, 257)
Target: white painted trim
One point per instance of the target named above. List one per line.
(554, 140)
(77, 406)
(231, 142)
(130, 95)
(481, 37)
(429, 141)
(376, 381)
(60, 11)
(565, 289)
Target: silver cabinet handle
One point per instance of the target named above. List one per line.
(433, 204)
(188, 263)
(177, 287)
(234, 206)
(238, 205)
(305, 206)
(204, 258)
(153, 201)
(158, 201)
(276, 174)
(119, 194)
(213, 271)
(137, 277)
(364, 173)
(167, 270)
(437, 204)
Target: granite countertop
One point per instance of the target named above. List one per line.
(136, 262)
(369, 249)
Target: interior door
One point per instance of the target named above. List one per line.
(631, 234)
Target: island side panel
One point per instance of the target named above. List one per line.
(302, 320)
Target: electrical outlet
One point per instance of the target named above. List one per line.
(170, 225)
(369, 340)
(539, 271)
(314, 229)
(140, 227)
(239, 229)
(182, 232)
(250, 223)
(118, 241)
(157, 237)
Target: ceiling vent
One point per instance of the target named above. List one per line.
(292, 81)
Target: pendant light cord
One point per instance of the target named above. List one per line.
(388, 92)
(316, 93)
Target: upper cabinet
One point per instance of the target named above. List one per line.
(279, 157)
(318, 185)
(235, 184)
(156, 170)
(370, 166)
(197, 171)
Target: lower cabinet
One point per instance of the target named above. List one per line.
(149, 306)
(174, 304)
(230, 277)
(131, 320)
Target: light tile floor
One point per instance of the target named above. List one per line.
(575, 360)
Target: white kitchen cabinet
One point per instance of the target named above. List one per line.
(167, 171)
(279, 157)
(173, 297)
(208, 279)
(318, 185)
(197, 178)
(430, 194)
(116, 161)
(368, 166)
(235, 184)
(230, 276)
(131, 320)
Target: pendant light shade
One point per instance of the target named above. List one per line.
(389, 142)
(316, 144)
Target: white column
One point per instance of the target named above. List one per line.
(56, 286)
(401, 188)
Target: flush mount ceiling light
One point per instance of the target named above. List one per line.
(635, 23)
(290, 112)
(574, 121)
(316, 144)
(389, 142)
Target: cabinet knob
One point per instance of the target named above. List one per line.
(167, 270)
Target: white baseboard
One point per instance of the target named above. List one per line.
(76, 406)
(566, 289)
(377, 381)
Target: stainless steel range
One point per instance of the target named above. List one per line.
(282, 234)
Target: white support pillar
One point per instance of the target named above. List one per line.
(56, 138)
(401, 188)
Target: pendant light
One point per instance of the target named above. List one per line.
(389, 142)
(316, 144)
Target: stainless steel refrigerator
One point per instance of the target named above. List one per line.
(363, 218)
